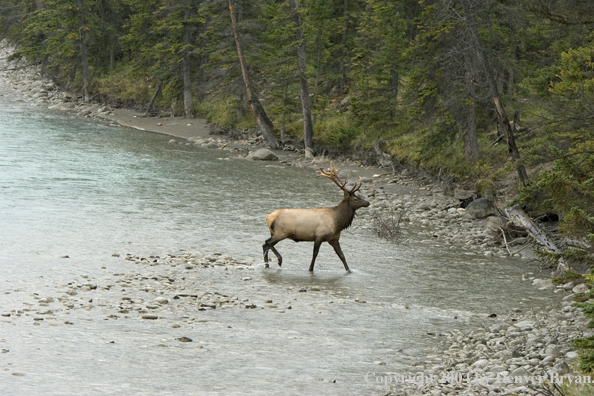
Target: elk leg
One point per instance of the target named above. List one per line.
(338, 250)
(317, 245)
(278, 256)
(269, 245)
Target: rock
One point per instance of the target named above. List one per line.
(562, 368)
(262, 154)
(497, 369)
(481, 363)
(184, 339)
(149, 316)
(581, 288)
(525, 325)
(571, 356)
(481, 208)
(494, 223)
(548, 359)
(161, 300)
(543, 284)
(568, 286)
(520, 372)
(553, 351)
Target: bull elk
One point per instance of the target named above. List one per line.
(315, 225)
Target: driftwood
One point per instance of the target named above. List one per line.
(519, 218)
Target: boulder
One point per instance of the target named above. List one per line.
(525, 325)
(262, 154)
(581, 288)
(481, 208)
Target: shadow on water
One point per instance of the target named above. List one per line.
(290, 278)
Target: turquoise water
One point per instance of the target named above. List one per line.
(86, 190)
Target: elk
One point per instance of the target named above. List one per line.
(315, 225)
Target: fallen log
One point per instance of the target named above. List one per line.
(519, 218)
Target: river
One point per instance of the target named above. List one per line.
(87, 190)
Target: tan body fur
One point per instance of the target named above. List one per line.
(304, 224)
(314, 225)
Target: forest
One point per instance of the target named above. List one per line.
(477, 91)
(495, 94)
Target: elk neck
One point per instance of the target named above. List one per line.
(343, 214)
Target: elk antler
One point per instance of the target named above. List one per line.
(333, 175)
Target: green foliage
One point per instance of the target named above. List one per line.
(336, 131)
(586, 345)
(568, 276)
(124, 84)
(405, 73)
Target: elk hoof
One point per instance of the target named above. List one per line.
(266, 266)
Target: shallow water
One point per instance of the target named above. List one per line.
(85, 190)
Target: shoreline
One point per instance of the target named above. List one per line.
(519, 344)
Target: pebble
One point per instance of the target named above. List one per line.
(541, 341)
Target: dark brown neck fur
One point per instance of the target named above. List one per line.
(343, 215)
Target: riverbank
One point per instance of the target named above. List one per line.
(425, 212)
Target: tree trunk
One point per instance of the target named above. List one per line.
(187, 67)
(153, 98)
(173, 104)
(342, 65)
(264, 122)
(518, 217)
(470, 138)
(318, 71)
(112, 57)
(471, 147)
(84, 56)
(188, 99)
(499, 108)
(305, 104)
(202, 60)
(283, 130)
(394, 85)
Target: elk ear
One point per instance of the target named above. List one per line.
(346, 194)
